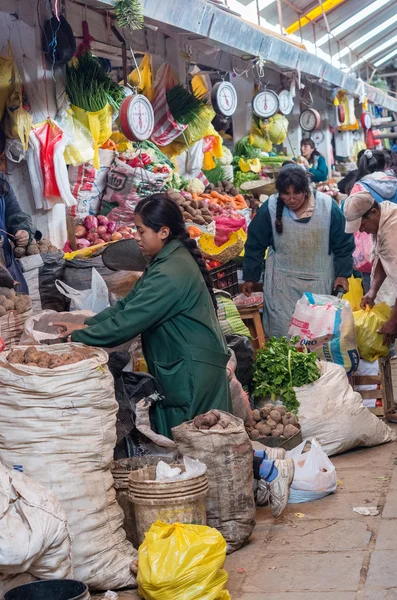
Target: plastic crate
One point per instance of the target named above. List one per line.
(225, 278)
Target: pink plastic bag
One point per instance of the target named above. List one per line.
(224, 226)
(362, 255)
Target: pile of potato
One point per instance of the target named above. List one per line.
(10, 300)
(272, 420)
(41, 247)
(45, 360)
(213, 421)
(223, 187)
(193, 211)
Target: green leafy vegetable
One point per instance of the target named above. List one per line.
(280, 367)
(216, 174)
(184, 106)
(244, 148)
(240, 177)
(129, 14)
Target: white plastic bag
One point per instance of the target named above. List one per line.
(95, 299)
(34, 536)
(59, 427)
(333, 413)
(325, 325)
(315, 475)
(38, 328)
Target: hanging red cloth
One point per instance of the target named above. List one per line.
(48, 134)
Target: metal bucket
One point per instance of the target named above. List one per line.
(55, 589)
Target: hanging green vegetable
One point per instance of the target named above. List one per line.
(185, 107)
(216, 174)
(129, 14)
(280, 367)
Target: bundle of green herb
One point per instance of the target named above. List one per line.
(89, 86)
(129, 14)
(280, 367)
(185, 107)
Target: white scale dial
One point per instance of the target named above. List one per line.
(286, 102)
(137, 119)
(225, 98)
(308, 120)
(265, 104)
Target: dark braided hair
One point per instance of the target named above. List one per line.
(371, 161)
(289, 176)
(157, 211)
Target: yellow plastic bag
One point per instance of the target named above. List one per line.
(18, 122)
(368, 322)
(355, 293)
(5, 79)
(145, 82)
(99, 124)
(182, 562)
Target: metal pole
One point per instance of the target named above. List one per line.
(314, 38)
(257, 12)
(280, 15)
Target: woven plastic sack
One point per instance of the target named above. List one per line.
(368, 322)
(99, 124)
(355, 293)
(12, 326)
(182, 562)
(362, 255)
(315, 475)
(69, 433)
(166, 129)
(34, 535)
(229, 317)
(88, 184)
(331, 412)
(325, 325)
(228, 456)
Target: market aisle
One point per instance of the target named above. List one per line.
(330, 553)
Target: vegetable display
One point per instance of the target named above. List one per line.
(213, 421)
(273, 420)
(193, 211)
(10, 300)
(99, 230)
(41, 247)
(184, 106)
(279, 367)
(32, 357)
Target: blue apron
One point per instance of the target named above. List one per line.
(12, 264)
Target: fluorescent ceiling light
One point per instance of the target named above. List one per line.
(353, 20)
(385, 58)
(364, 38)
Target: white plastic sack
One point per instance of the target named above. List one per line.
(59, 427)
(34, 536)
(95, 299)
(315, 475)
(12, 326)
(38, 328)
(367, 368)
(325, 325)
(333, 413)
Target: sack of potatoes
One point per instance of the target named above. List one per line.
(273, 420)
(10, 300)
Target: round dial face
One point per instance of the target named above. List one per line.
(308, 120)
(265, 104)
(286, 102)
(226, 98)
(140, 117)
(318, 136)
(367, 120)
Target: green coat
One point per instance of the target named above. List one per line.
(184, 347)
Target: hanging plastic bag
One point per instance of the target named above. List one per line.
(165, 79)
(80, 144)
(96, 298)
(144, 82)
(182, 562)
(315, 475)
(48, 134)
(368, 322)
(362, 255)
(355, 293)
(18, 121)
(5, 79)
(325, 325)
(166, 129)
(99, 124)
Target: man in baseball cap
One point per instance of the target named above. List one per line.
(361, 213)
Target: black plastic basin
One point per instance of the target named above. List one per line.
(57, 589)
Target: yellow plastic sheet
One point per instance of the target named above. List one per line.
(145, 82)
(182, 562)
(18, 122)
(355, 293)
(99, 124)
(5, 79)
(368, 322)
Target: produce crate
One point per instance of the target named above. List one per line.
(225, 278)
(383, 394)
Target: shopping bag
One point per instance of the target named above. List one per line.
(325, 325)
(142, 78)
(182, 562)
(18, 121)
(96, 298)
(315, 475)
(368, 322)
(355, 293)
(99, 124)
(362, 255)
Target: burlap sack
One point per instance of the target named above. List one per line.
(229, 459)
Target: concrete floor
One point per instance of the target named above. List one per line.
(328, 552)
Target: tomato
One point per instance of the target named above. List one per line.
(214, 264)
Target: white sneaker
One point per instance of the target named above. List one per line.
(275, 453)
(279, 487)
(261, 492)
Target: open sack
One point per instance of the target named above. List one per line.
(315, 475)
(333, 413)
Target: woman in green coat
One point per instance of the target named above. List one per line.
(172, 306)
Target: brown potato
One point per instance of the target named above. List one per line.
(265, 412)
(281, 409)
(7, 292)
(254, 434)
(278, 431)
(2, 311)
(275, 415)
(16, 357)
(264, 429)
(256, 415)
(9, 305)
(290, 430)
(272, 424)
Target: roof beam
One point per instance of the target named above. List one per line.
(313, 14)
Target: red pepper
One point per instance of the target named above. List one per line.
(146, 159)
(214, 264)
(135, 163)
(164, 170)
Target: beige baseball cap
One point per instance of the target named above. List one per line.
(354, 208)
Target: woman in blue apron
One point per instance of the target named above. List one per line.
(309, 250)
(18, 224)
(314, 162)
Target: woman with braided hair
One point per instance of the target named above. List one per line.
(309, 251)
(172, 307)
